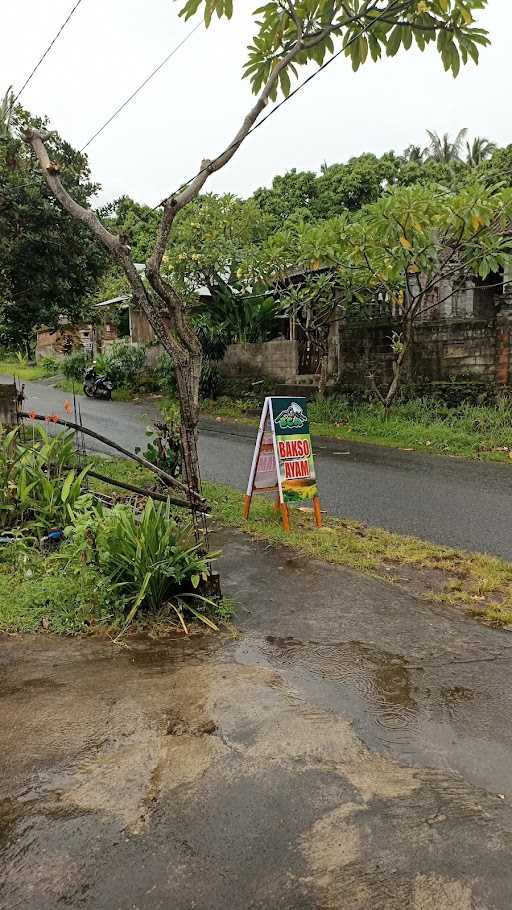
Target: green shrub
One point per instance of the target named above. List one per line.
(123, 364)
(50, 365)
(150, 561)
(164, 447)
(41, 485)
(75, 365)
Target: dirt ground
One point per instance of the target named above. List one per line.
(350, 749)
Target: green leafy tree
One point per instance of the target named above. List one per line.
(409, 247)
(287, 36)
(295, 191)
(354, 184)
(48, 265)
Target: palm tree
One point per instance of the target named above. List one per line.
(479, 150)
(413, 153)
(6, 114)
(442, 149)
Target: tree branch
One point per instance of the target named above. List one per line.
(36, 139)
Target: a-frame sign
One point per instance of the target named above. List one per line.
(283, 462)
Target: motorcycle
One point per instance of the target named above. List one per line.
(97, 386)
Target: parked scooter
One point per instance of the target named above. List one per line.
(96, 386)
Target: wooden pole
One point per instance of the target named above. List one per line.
(247, 506)
(8, 399)
(285, 516)
(317, 511)
(132, 488)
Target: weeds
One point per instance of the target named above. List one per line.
(152, 560)
(113, 564)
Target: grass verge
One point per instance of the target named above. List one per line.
(475, 583)
(479, 432)
(21, 370)
(52, 593)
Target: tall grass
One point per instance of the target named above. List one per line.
(421, 423)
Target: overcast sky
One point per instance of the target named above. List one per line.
(195, 104)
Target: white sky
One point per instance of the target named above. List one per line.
(194, 105)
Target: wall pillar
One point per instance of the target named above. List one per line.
(503, 346)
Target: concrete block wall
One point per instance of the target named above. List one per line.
(276, 359)
(446, 350)
(443, 350)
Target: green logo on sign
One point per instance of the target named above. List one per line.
(293, 418)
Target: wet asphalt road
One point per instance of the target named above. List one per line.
(446, 500)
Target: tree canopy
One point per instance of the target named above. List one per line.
(48, 265)
(362, 29)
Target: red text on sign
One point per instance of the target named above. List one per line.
(294, 448)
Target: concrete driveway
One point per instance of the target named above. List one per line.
(350, 749)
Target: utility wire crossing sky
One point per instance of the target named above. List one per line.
(196, 103)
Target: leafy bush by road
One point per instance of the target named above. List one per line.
(111, 563)
(122, 364)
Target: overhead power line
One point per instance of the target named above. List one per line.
(399, 6)
(47, 51)
(140, 87)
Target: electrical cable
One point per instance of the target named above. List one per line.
(47, 51)
(140, 87)
(398, 6)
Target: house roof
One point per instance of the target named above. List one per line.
(114, 301)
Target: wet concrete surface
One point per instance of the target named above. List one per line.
(349, 749)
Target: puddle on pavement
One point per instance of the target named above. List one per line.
(444, 717)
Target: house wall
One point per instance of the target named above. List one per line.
(75, 338)
(140, 329)
(142, 333)
(58, 344)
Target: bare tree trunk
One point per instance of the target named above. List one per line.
(187, 381)
(324, 373)
(398, 365)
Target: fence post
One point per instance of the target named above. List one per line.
(8, 405)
